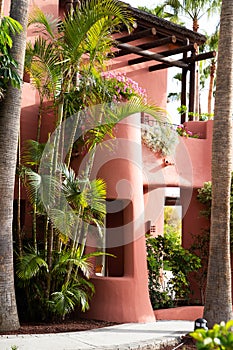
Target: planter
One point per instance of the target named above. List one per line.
(187, 313)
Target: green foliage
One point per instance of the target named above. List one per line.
(29, 265)
(32, 273)
(202, 116)
(8, 66)
(205, 197)
(53, 278)
(220, 337)
(71, 295)
(200, 247)
(172, 224)
(161, 250)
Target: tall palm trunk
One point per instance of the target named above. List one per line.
(18, 187)
(218, 306)
(9, 129)
(211, 85)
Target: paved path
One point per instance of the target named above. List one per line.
(121, 337)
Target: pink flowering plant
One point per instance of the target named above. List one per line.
(122, 87)
(183, 131)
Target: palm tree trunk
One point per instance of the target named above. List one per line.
(9, 129)
(18, 230)
(218, 305)
(211, 86)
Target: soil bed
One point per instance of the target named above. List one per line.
(68, 326)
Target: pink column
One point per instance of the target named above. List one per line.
(126, 298)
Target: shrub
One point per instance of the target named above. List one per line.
(220, 337)
(181, 262)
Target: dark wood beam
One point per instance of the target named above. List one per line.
(191, 89)
(152, 55)
(137, 35)
(191, 47)
(158, 67)
(189, 60)
(149, 45)
(183, 89)
(201, 57)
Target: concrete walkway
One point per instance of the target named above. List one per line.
(121, 337)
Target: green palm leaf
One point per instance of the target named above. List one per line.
(41, 189)
(71, 295)
(76, 27)
(62, 302)
(96, 195)
(42, 61)
(32, 153)
(64, 220)
(84, 261)
(29, 265)
(45, 23)
(72, 188)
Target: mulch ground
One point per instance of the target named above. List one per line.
(68, 326)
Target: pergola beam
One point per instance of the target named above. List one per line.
(189, 60)
(178, 50)
(150, 45)
(152, 56)
(138, 35)
(201, 56)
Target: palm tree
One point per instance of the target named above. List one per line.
(211, 44)
(194, 10)
(9, 129)
(161, 11)
(218, 304)
(55, 66)
(61, 72)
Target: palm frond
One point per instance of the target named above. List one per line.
(32, 153)
(64, 220)
(76, 189)
(96, 195)
(99, 41)
(62, 302)
(42, 189)
(83, 262)
(71, 295)
(29, 265)
(119, 111)
(42, 62)
(61, 262)
(76, 27)
(45, 23)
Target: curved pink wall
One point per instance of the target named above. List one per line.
(190, 164)
(126, 298)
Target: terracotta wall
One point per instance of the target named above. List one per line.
(190, 164)
(124, 298)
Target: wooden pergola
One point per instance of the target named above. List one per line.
(157, 32)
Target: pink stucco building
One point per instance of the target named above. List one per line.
(136, 177)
